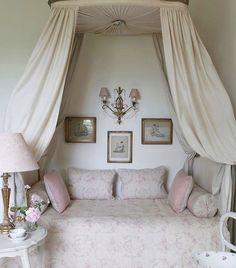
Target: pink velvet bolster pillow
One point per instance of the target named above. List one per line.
(57, 191)
(180, 191)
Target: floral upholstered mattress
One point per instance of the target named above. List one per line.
(135, 233)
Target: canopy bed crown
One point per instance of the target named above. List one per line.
(182, 1)
(119, 17)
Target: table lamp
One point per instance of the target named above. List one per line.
(15, 156)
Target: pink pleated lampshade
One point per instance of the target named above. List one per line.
(15, 155)
(134, 93)
(104, 92)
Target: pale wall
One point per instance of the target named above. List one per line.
(215, 21)
(129, 62)
(21, 23)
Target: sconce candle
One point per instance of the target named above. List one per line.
(119, 109)
(104, 94)
(134, 94)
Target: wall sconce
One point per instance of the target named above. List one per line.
(119, 109)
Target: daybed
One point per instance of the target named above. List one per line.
(124, 233)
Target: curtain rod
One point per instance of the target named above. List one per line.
(182, 1)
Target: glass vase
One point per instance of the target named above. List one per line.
(32, 226)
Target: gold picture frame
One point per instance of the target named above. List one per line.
(119, 146)
(80, 129)
(157, 131)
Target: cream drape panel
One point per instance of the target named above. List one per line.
(221, 184)
(158, 43)
(35, 103)
(78, 40)
(48, 154)
(222, 190)
(200, 100)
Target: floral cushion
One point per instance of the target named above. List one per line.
(38, 194)
(142, 183)
(90, 184)
(201, 203)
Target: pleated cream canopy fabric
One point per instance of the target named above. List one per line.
(120, 17)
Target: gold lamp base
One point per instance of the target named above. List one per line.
(5, 228)
(6, 225)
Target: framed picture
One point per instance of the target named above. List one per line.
(119, 146)
(157, 131)
(80, 129)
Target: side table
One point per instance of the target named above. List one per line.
(36, 238)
